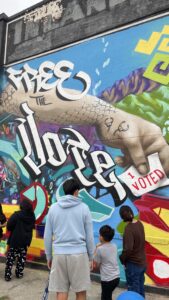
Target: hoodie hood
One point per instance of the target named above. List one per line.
(26, 217)
(68, 201)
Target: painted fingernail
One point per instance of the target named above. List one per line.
(143, 169)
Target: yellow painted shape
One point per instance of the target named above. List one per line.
(34, 234)
(165, 29)
(163, 213)
(147, 47)
(34, 251)
(9, 209)
(148, 280)
(158, 238)
(164, 46)
(157, 210)
(37, 243)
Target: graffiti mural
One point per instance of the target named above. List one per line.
(97, 111)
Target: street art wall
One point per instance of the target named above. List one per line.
(97, 111)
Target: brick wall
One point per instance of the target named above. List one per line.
(78, 20)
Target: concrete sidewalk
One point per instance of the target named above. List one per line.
(32, 285)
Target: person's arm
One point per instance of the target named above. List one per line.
(89, 234)
(12, 222)
(128, 242)
(97, 258)
(48, 234)
(136, 137)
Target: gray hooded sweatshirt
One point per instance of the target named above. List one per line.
(69, 228)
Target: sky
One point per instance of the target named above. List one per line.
(12, 7)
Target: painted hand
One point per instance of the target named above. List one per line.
(136, 137)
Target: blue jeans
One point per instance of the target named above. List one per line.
(135, 278)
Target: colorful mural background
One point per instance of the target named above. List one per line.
(92, 111)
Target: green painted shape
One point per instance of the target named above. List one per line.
(153, 107)
(41, 201)
(99, 211)
(153, 75)
(122, 225)
(98, 217)
(95, 205)
(30, 193)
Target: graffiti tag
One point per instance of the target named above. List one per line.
(158, 69)
(43, 78)
(50, 149)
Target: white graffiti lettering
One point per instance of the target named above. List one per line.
(51, 148)
(42, 79)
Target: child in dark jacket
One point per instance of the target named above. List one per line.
(21, 225)
(2, 222)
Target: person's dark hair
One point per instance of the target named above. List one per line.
(126, 213)
(107, 233)
(70, 186)
(26, 205)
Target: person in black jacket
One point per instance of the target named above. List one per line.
(2, 221)
(21, 225)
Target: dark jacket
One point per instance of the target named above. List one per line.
(2, 221)
(134, 244)
(20, 225)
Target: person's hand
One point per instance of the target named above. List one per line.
(95, 266)
(49, 264)
(136, 137)
(91, 265)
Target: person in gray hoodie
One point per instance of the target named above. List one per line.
(69, 237)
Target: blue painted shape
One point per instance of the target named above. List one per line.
(8, 149)
(100, 212)
(129, 295)
(41, 201)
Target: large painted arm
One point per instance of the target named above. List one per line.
(136, 137)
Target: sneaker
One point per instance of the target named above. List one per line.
(19, 275)
(7, 278)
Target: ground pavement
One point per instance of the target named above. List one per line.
(32, 285)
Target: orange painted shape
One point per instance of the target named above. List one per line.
(34, 251)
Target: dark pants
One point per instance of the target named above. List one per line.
(20, 255)
(135, 278)
(108, 288)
